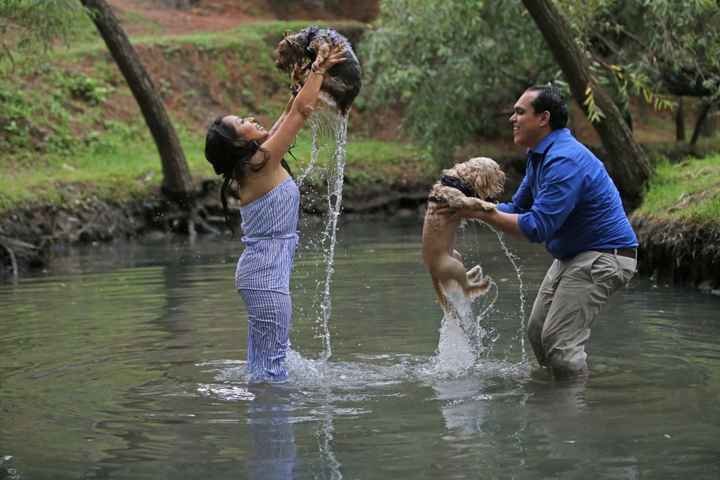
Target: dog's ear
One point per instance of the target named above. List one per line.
(292, 41)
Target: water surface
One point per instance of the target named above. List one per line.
(127, 361)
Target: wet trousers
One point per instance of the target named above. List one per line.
(269, 320)
(569, 299)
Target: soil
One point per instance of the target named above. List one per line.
(171, 17)
(678, 252)
(30, 237)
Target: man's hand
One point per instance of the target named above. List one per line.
(443, 208)
(465, 207)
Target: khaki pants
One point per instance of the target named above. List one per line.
(569, 299)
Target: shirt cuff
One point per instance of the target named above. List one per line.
(505, 207)
(528, 228)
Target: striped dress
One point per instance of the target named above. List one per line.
(262, 276)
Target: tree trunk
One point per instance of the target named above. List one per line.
(625, 160)
(680, 121)
(700, 122)
(177, 183)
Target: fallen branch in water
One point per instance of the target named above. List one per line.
(13, 261)
(13, 245)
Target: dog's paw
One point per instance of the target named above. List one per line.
(475, 274)
(479, 289)
(478, 285)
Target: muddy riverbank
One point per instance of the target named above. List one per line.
(672, 251)
(31, 237)
(677, 252)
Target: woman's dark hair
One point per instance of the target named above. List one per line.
(230, 155)
(549, 98)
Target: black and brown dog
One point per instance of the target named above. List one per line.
(296, 52)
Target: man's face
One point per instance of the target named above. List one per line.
(528, 127)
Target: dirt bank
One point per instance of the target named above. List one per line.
(679, 253)
(31, 237)
(672, 251)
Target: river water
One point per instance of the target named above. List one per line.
(127, 361)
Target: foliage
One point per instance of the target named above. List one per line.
(120, 161)
(455, 66)
(652, 48)
(87, 89)
(27, 26)
(51, 114)
(65, 139)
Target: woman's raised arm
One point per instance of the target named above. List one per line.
(283, 133)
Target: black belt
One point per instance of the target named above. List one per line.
(623, 252)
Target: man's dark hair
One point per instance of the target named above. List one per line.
(551, 100)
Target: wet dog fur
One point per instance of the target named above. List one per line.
(444, 263)
(296, 52)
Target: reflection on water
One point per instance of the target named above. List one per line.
(273, 453)
(129, 362)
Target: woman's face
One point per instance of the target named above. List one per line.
(246, 128)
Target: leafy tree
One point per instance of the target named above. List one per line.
(653, 48)
(39, 23)
(456, 66)
(177, 182)
(26, 25)
(626, 161)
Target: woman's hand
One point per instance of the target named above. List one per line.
(327, 57)
(289, 124)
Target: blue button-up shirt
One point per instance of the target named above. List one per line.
(568, 201)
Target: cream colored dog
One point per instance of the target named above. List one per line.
(472, 181)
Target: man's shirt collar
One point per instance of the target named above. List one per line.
(544, 145)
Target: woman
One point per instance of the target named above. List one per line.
(243, 151)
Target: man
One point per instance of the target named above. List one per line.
(567, 201)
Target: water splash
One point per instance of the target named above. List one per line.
(323, 124)
(231, 393)
(514, 262)
(463, 338)
(314, 153)
(335, 190)
(326, 440)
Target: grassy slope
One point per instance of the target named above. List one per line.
(63, 128)
(689, 190)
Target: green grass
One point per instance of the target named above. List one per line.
(58, 143)
(689, 190)
(122, 163)
(267, 32)
(368, 161)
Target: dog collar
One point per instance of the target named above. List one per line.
(455, 182)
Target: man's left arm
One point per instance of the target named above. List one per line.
(467, 207)
(557, 197)
(558, 194)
